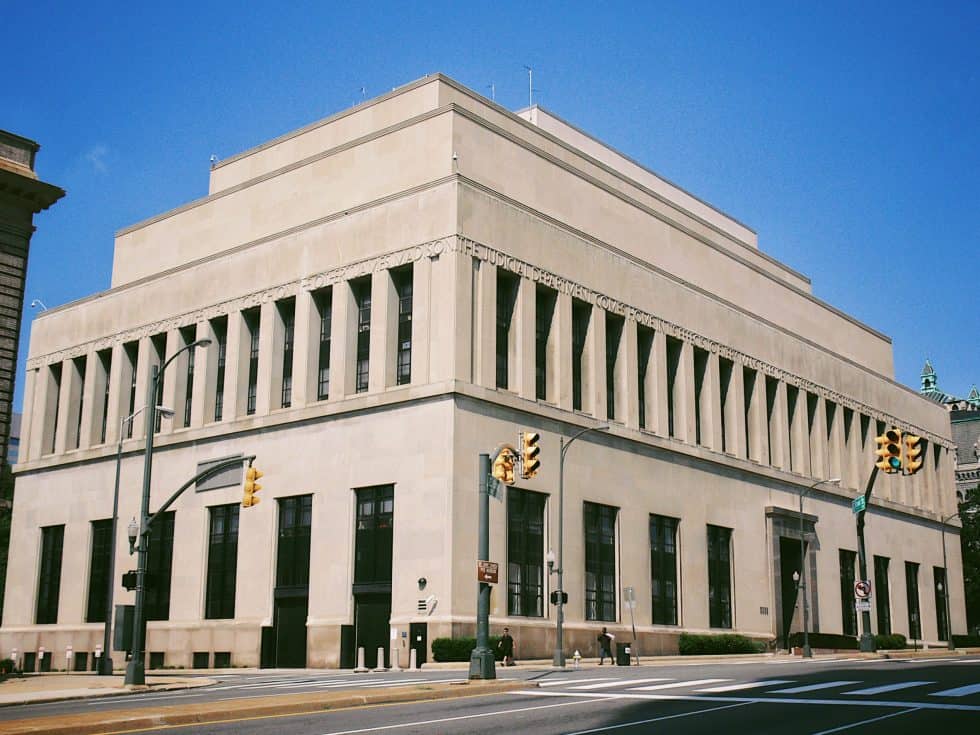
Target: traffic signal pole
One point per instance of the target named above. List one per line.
(481, 660)
(867, 640)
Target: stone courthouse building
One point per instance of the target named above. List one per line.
(392, 291)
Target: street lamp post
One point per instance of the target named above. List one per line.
(945, 590)
(105, 666)
(807, 652)
(136, 670)
(559, 656)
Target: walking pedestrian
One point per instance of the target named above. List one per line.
(605, 639)
(506, 646)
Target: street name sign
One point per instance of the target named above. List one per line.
(859, 504)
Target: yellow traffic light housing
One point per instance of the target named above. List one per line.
(251, 487)
(913, 454)
(530, 464)
(889, 451)
(504, 466)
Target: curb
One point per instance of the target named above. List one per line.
(115, 721)
(41, 698)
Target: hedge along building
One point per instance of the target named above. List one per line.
(406, 284)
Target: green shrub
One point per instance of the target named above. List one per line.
(960, 641)
(691, 644)
(825, 640)
(459, 649)
(7, 666)
(890, 642)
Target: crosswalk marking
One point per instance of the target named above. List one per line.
(618, 683)
(814, 687)
(958, 691)
(559, 682)
(889, 687)
(676, 685)
(746, 685)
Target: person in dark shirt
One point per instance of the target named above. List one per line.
(605, 639)
(506, 646)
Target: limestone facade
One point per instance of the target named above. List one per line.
(397, 288)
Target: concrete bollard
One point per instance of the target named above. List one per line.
(393, 659)
(360, 668)
(381, 659)
(412, 660)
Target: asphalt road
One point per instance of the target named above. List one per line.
(818, 696)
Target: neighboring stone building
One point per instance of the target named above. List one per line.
(964, 419)
(406, 284)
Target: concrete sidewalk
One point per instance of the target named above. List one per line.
(153, 716)
(56, 687)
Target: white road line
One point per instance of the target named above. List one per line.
(606, 728)
(677, 685)
(814, 687)
(746, 685)
(945, 706)
(958, 691)
(559, 682)
(865, 722)
(889, 687)
(617, 683)
(498, 713)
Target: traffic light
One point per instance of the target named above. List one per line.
(251, 487)
(503, 466)
(889, 451)
(530, 464)
(913, 452)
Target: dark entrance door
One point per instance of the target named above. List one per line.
(418, 635)
(290, 632)
(372, 614)
(789, 562)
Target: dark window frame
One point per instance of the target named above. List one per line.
(188, 335)
(600, 561)
(663, 569)
(525, 552)
(98, 570)
(49, 574)
(719, 540)
(849, 618)
(287, 314)
(402, 278)
(293, 549)
(159, 567)
(220, 328)
(323, 300)
(374, 534)
(508, 286)
(222, 570)
(252, 319)
(881, 595)
(545, 301)
(912, 600)
(361, 289)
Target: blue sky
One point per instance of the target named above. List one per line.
(846, 134)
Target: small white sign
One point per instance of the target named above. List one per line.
(863, 605)
(394, 634)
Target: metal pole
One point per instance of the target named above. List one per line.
(105, 666)
(136, 670)
(559, 657)
(481, 660)
(949, 627)
(807, 653)
(867, 640)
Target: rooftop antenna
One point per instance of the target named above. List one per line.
(493, 93)
(530, 86)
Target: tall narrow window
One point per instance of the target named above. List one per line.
(942, 611)
(772, 389)
(700, 409)
(600, 561)
(98, 570)
(374, 537)
(644, 350)
(525, 553)
(222, 562)
(545, 300)
(614, 333)
(792, 396)
(158, 348)
(725, 369)
(105, 365)
(849, 620)
(159, 567)
(80, 364)
(719, 577)
(748, 387)
(663, 569)
(882, 605)
(187, 336)
(403, 290)
(581, 315)
(220, 327)
(507, 285)
(54, 400)
(132, 358)
(674, 347)
(362, 300)
(253, 321)
(324, 306)
(865, 425)
(912, 599)
(49, 576)
(812, 402)
(293, 557)
(287, 315)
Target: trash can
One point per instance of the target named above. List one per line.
(624, 652)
